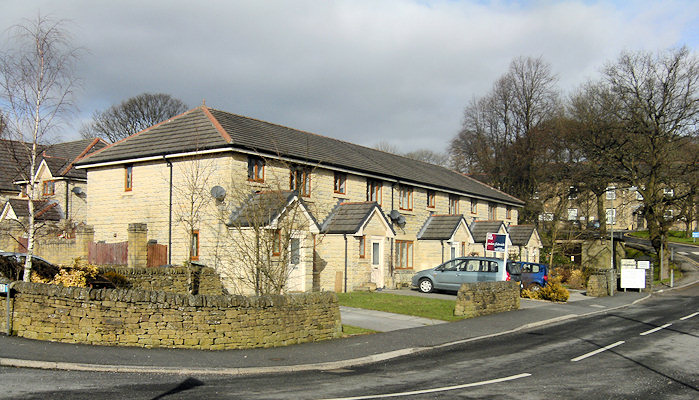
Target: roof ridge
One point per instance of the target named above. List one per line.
(217, 125)
(110, 145)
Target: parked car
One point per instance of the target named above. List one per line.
(534, 275)
(12, 266)
(451, 274)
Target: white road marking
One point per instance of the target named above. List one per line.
(684, 253)
(597, 306)
(435, 390)
(696, 253)
(592, 353)
(689, 316)
(654, 330)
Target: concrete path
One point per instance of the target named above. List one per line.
(382, 321)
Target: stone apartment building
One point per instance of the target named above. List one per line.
(60, 190)
(365, 216)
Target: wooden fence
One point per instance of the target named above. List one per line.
(157, 255)
(108, 253)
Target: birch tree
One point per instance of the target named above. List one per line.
(37, 81)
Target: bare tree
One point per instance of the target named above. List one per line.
(648, 107)
(506, 135)
(191, 200)
(37, 80)
(269, 232)
(387, 147)
(429, 156)
(132, 115)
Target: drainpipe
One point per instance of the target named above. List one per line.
(441, 243)
(345, 236)
(67, 199)
(169, 221)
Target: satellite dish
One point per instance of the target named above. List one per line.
(394, 215)
(400, 221)
(218, 193)
(78, 191)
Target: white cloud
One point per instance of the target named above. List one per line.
(362, 71)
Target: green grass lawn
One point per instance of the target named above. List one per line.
(409, 305)
(673, 236)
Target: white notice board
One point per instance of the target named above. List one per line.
(633, 278)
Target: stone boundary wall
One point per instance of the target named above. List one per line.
(159, 319)
(483, 298)
(172, 279)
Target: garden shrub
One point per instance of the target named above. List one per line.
(116, 279)
(553, 291)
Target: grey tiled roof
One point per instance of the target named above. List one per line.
(261, 208)
(349, 217)
(43, 211)
(196, 130)
(480, 229)
(440, 227)
(14, 160)
(520, 234)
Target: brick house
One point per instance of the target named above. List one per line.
(379, 217)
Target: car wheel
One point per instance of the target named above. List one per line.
(534, 287)
(425, 285)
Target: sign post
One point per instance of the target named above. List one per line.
(497, 242)
(695, 235)
(5, 288)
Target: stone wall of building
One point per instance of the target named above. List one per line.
(597, 286)
(483, 298)
(205, 280)
(159, 319)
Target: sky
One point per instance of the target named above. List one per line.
(394, 71)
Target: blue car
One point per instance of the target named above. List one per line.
(534, 275)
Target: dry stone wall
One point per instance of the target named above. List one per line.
(160, 319)
(171, 279)
(483, 298)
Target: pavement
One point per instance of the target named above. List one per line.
(403, 335)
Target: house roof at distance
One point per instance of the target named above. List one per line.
(206, 129)
(520, 234)
(43, 210)
(441, 227)
(60, 159)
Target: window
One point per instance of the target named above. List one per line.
(194, 246)
(453, 204)
(463, 249)
(474, 206)
(295, 251)
(611, 193)
(362, 247)
(375, 253)
(572, 214)
(667, 192)
(611, 216)
(256, 169)
(373, 190)
(48, 188)
(276, 243)
(492, 212)
(453, 251)
(128, 178)
(300, 180)
(431, 199)
(508, 213)
(547, 216)
(340, 183)
(405, 198)
(404, 254)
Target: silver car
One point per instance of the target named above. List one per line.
(451, 274)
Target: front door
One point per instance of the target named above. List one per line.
(296, 281)
(377, 262)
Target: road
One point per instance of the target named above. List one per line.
(686, 250)
(644, 351)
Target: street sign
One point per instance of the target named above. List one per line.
(645, 264)
(695, 234)
(496, 242)
(628, 263)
